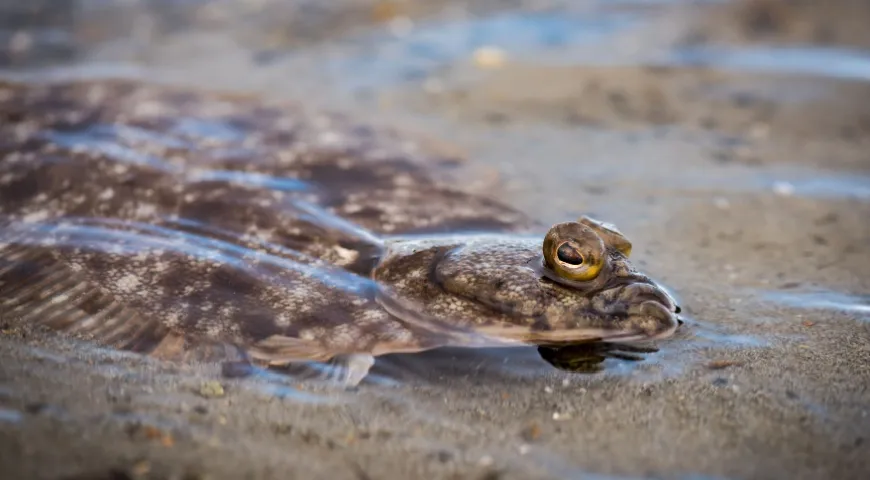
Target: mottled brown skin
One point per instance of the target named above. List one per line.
(186, 224)
(505, 287)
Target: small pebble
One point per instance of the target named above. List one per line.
(444, 456)
(721, 364)
(524, 449)
(531, 433)
(485, 461)
(489, 57)
(721, 203)
(211, 389)
(153, 433)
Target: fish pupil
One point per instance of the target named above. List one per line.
(568, 254)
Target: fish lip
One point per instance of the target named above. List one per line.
(648, 291)
(647, 301)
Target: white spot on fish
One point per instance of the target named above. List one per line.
(172, 319)
(60, 299)
(145, 210)
(214, 330)
(282, 320)
(352, 208)
(128, 282)
(345, 256)
(418, 273)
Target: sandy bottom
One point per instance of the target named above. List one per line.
(730, 143)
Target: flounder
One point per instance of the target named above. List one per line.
(191, 225)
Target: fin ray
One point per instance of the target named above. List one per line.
(44, 290)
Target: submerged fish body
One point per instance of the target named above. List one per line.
(194, 225)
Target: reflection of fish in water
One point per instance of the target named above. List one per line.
(201, 226)
(589, 357)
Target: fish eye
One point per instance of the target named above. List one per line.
(567, 253)
(574, 252)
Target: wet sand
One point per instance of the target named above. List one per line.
(745, 190)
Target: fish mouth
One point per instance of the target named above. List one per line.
(651, 313)
(641, 292)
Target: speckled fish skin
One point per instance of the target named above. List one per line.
(218, 201)
(179, 223)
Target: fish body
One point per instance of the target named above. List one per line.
(185, 224)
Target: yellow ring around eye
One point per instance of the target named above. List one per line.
(581, 274)
(574, 251)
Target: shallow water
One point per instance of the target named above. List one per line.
(831, 62)
(824, 300)
(720, 233)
